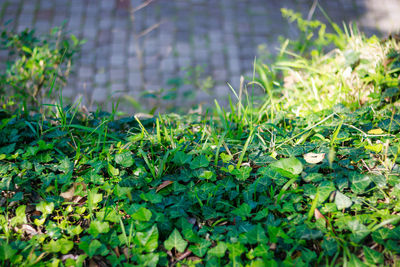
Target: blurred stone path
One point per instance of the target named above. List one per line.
(137, 46)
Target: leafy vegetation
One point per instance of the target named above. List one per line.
(321, 69)
(244, 186)
(35, 65)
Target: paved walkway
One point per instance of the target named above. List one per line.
(138, 46)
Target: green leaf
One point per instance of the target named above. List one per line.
(373, 257)
(175, 240)
(52, 247)
(200, 248)
(46, 208)
(20, 216)
(257, 235)
(359, 231)
(93, 247)
(75, 230)
(359, 183)
(390, 124)
(152, 197)
(375, 148)
(142, 214)
(6, 251)
(149, 259)
(342, 201)
(208, 175)
(65, 245)
(17, 197)
(108, 214)
(65, 165)
(199, 162)
(243, 211)
(261, 214)
(7, 149)
(218, 251)
(262, 250)
(314, 177)
(354, 261)
(325, 189)
(26, 49)
(289, 166)
(330, 246)
(98, 227)
(148, 239)
(379, 180)
(93, 198)
(225, 157)
(125, 159)
(181, 158)
(114, 171)
(235, 251)
(242, 173)
(381, 235)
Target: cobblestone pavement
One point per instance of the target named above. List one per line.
(137, 46)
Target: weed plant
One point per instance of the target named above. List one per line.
(36, 67)
(243, 185)
(320, 70)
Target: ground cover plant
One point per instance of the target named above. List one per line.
(87, 188)
(244, 185)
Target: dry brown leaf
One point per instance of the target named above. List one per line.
(69, 194)
(319, 215)
(29, 230)
(314, 158)
(116, 250)
(93, 263)
(36, 213)
(126, 253)
(163, 185)
(183, 255)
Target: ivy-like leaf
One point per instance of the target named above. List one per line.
(288, 167)
(257, 235)
(359, 183)
(199, 162)
(181, 158)
(200, 248)
(219, 250)
(176, 241)
(142, 214)
(148, 239)
(373, 257)
(342, 201)
(97, 227)
(125, 159)
(242, 211)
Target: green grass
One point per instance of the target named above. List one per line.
(321, 69)
(243, 185)
(186, 189)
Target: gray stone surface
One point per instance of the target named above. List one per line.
(132, 52)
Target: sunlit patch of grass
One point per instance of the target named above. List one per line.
(314, 79)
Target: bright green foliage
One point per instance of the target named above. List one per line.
(320, 69)
(35, 65)
(232, 187)
(253, 214)
(288, 167)
(218, 250)
(176, 241)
